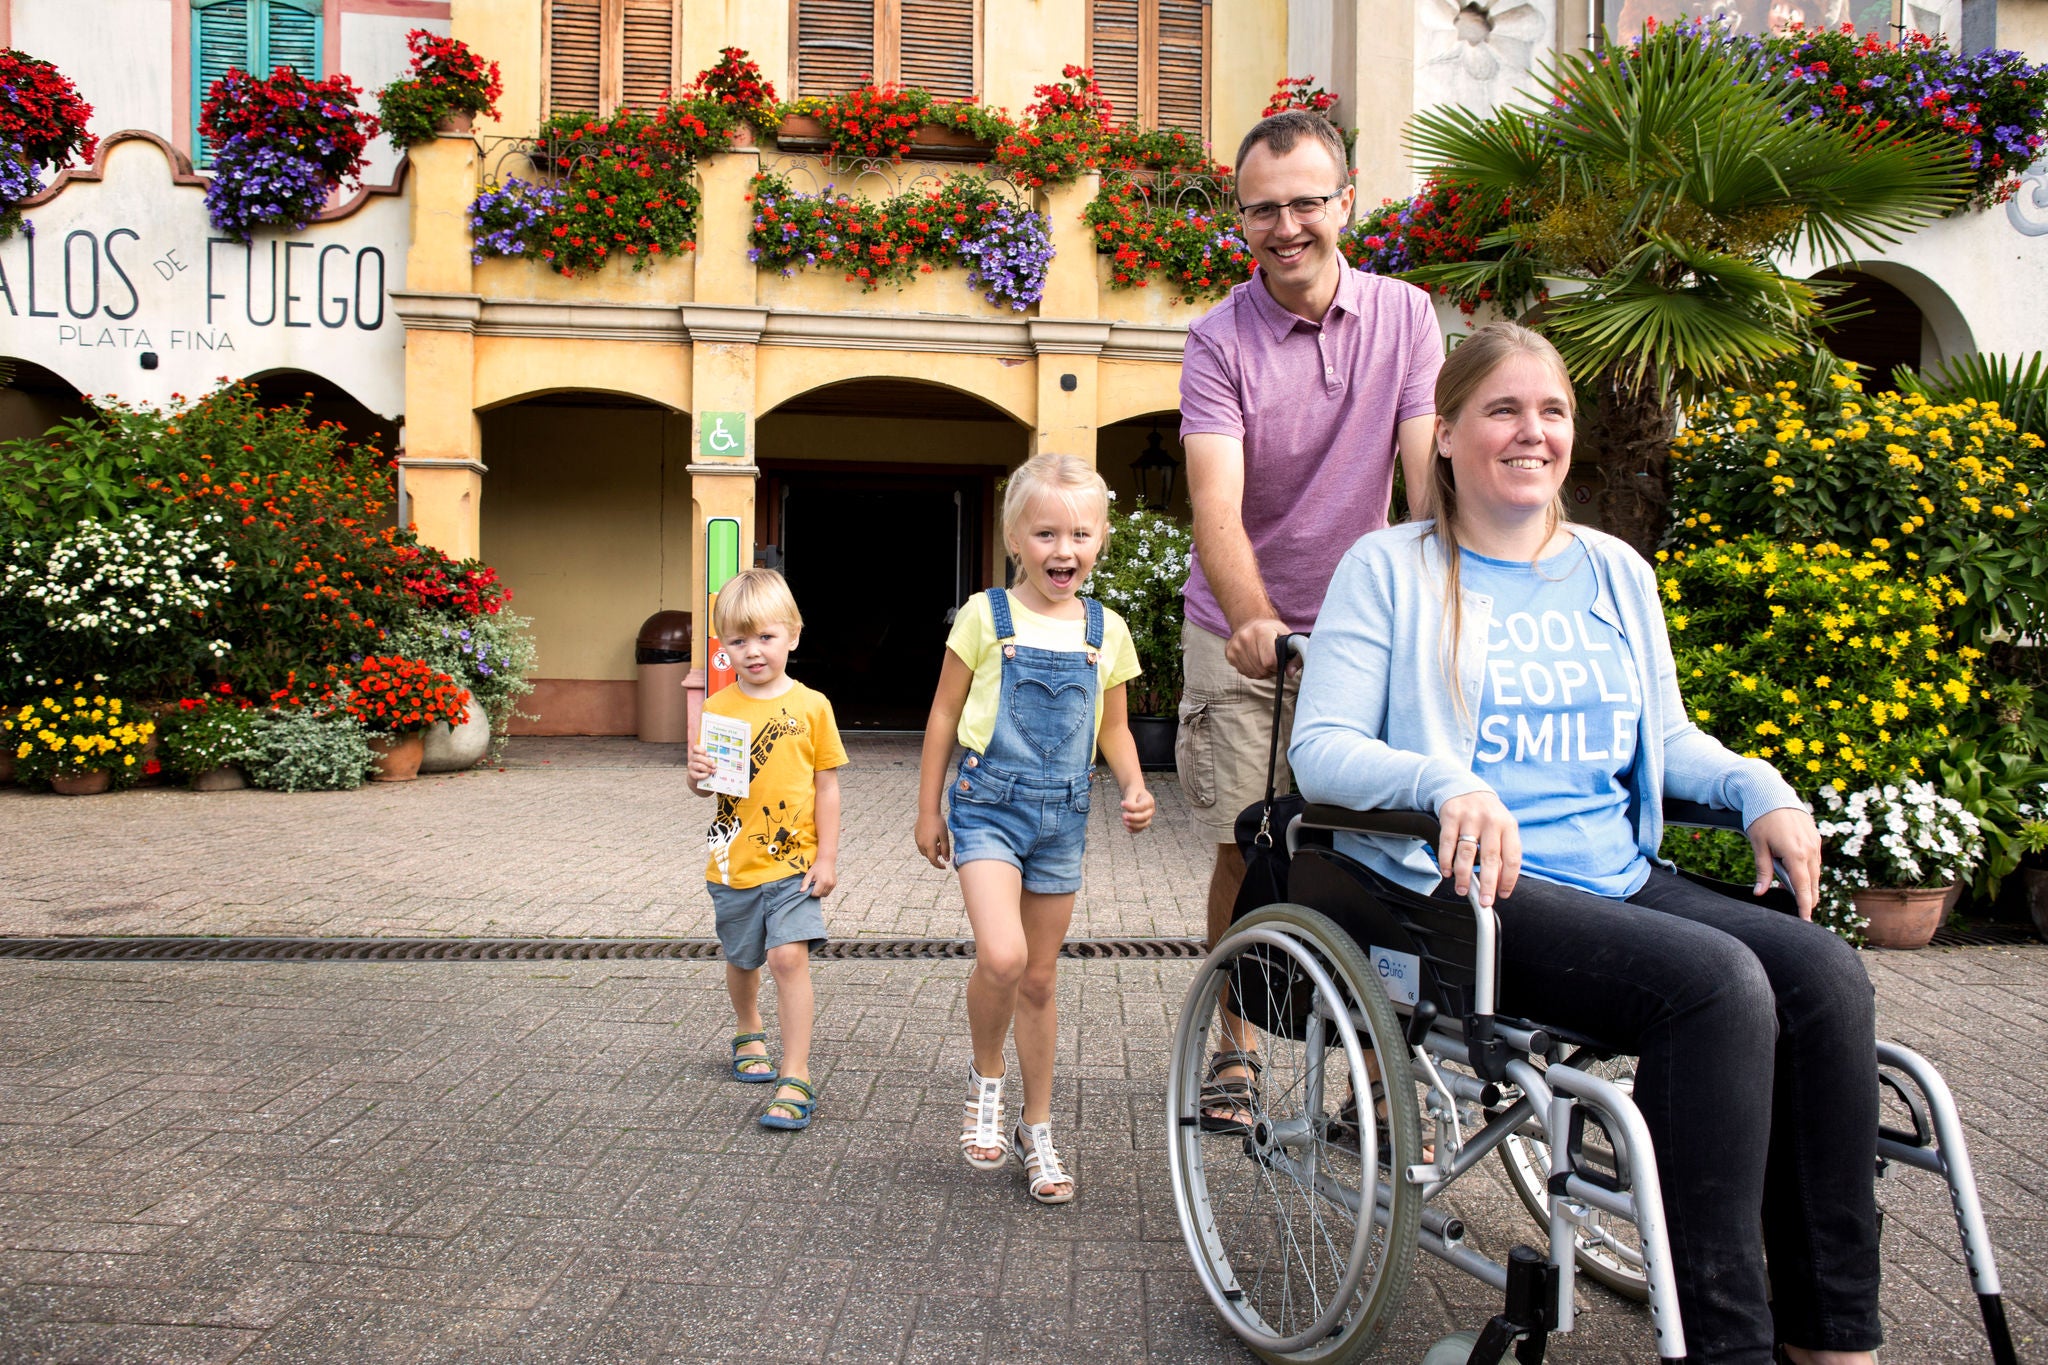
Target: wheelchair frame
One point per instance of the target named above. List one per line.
(1462, 1058)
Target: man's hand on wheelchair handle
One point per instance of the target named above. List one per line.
(1787, 835)
(1477, 830)
(1249, 649)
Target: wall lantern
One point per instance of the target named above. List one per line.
(1158, 473)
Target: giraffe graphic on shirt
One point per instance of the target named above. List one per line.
(725, 824)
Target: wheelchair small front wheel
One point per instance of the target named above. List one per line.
(1608, 1249)
(1302, 1229)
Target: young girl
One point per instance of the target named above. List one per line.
(1033, 678)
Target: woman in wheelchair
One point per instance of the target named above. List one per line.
(1510, 672)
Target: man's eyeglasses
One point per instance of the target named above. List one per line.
(1307, 210)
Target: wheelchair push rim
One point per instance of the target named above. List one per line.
(1299, 1239)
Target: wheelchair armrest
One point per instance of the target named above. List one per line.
(1699, 816)
(1401, 824)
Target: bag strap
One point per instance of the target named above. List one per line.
(1264, 838)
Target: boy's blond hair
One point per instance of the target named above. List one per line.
(752, 599)
(1068, 477)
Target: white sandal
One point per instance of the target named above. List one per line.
(1042, 1162)
(984, 1122)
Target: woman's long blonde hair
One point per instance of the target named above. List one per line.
(1465, 369)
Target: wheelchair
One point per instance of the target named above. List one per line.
(1304, 1215)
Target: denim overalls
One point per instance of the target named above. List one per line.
(1024, 801)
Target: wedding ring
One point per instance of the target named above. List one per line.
(1468, 838)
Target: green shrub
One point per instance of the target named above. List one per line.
(201, 734)
(1139, 576)
(308, 750)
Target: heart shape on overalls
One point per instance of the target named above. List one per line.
(1048, 717)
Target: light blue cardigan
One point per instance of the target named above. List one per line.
(1377, 729)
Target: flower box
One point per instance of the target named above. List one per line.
(804, 133)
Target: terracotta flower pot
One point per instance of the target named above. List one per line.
(1902, 917)
(397, 756)
(800, 128)
(226, 778)
(455, 123)
(82, 784)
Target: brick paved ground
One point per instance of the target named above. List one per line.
(511, 1163)
(574, 837)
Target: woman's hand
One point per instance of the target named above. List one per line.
(1788, 836)
(1477, 830)
(933, 840)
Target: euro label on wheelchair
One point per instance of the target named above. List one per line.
(1369, 1009)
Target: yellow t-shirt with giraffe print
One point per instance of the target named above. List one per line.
(772, 831)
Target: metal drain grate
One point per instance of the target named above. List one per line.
(1989, 934)
(194, 948)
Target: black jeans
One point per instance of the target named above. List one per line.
(1758, 1081)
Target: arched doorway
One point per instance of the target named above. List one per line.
(877, 499)
(1151, 439)
(327, 401)
(1888, 331)
(585, 514)
(34, 399)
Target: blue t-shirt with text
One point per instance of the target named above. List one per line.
(1558, 717)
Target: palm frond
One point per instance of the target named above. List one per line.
(2018, 384)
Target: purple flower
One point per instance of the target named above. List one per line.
(257, 185)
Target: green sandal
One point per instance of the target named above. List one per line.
(740, 1040)
(802, 1109)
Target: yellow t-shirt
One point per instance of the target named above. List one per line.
(974, 640)
(772, 832)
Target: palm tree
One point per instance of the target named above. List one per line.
(1652, 192)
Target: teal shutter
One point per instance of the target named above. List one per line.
(221, 39)
(257, 36)
(291, 37)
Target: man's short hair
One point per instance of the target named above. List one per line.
(1283, 131)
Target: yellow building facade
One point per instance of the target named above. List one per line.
(580, 434)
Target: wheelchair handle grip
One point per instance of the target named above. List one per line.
(1294, 644)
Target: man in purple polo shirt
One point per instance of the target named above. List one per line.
(1296, 392)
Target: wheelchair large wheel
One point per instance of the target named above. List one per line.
(1302, 1230)
(1607, 1248)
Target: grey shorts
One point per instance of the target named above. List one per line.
(753, 919)
(1226, 730)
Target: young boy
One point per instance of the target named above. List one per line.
(774, 851)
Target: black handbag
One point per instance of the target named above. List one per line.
(1261, 829)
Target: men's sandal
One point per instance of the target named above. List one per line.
(741, 1061)
(800, 1111)
(1042, 1163)
(983, 1125)
(1238, 1095)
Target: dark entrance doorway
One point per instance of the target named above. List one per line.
(878, 559)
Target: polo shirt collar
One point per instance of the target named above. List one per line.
(1281, 322)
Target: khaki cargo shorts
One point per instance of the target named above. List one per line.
(1226, 730)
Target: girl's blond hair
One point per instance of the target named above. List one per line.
(1465, 369)
(1070, 478)
(752, 599)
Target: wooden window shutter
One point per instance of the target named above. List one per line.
(291, 37)
(575, 56)
(835, 45)
(938, 45)
(1183, 66)
(220, 40)
(1113, 52)
(647, 52)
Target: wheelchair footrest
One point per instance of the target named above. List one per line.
(1529, 1316)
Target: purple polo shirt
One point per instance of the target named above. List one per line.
(1316, 405)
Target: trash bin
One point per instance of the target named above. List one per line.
(662, 654)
